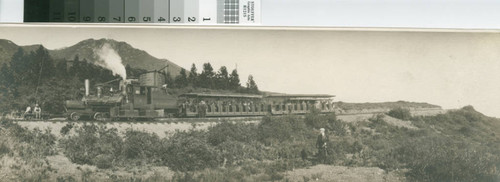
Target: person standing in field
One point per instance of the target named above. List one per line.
(321, 145)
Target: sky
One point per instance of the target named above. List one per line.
(444, 67)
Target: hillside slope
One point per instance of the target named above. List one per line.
(136, 58)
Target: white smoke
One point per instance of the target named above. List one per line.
(109, 58)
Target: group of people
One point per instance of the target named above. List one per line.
(37, 111)
(201, 107)
(217, 105)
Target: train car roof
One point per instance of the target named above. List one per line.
(221, 95)
(301, 95)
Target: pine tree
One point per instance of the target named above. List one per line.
(234, 80)
(6, 87)
(128, 71)
(207, 76)
(193, 76)
(20, 67)
(75, 67)
(45, 64)
(6, 78)
(181, 79)
(62, 70)
(169, 80)
(251, 85)
(222, 78)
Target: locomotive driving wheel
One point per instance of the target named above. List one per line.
(99, 116)
(74, 116)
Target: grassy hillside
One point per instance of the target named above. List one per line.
(460, 145)
(384, 105)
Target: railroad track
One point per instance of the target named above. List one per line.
(194, 120)
(156, 120)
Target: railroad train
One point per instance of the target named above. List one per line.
(147, 98)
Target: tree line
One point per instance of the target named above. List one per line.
(210, 79)
(36, 78)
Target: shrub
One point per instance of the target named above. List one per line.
(66, 129)
(235, 131)
(104, 161)
(39, 143)
(274, 130)
(141, 146)
(314, 119)
(400, 113)
(442, 159)
(91, 141)
(188, 151)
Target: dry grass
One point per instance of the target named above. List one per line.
(342, 173)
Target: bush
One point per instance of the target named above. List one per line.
(188, 151)
(66, 129)
(234, 131)
(314, 119)
(141, 146)
(274, 130)
(39, 143)
(104, 161)
(400, 113)
(442, 159)
(91, 141)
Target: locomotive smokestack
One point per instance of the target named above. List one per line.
(87, 85)
(123, 86)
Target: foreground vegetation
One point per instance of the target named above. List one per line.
(461, 145)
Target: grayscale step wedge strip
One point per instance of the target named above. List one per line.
(56, 10)
(71, 10)
(131, 11)
(161, 11)
(177, 11)
(116, 11)
(86, 11)
(101, 10)
(208, 12)
(146, 11)
(191, 11)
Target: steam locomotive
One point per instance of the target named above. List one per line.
(147, 98)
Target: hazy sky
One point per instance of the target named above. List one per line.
(447, 68)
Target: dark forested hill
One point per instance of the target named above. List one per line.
(136, 58)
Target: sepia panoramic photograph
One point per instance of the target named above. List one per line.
(244, 103)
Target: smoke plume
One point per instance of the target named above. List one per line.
(109, 58)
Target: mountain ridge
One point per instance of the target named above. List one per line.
(84, 49)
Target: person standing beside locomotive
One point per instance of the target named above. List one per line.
(202, 109)
(28, 111)
(38, 112)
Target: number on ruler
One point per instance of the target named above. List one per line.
(118, 18)
(87, 18)
(161, 19)
(191, 19)
(176, 19)
(101, 19)
(131, 19)
(146, 19)
(71, 18)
